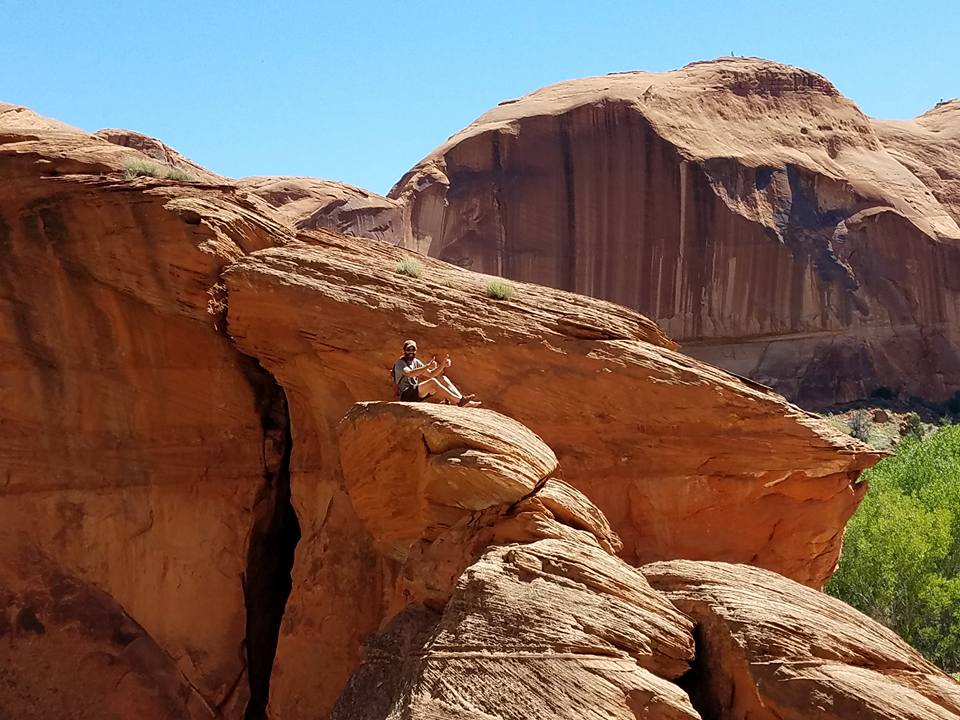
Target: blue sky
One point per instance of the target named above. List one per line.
(361, 91)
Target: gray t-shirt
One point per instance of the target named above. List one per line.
(402, 381)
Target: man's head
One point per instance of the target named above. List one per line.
(409, 349)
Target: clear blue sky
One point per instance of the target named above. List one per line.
(360, 91)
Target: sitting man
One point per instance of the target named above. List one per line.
(416, 381)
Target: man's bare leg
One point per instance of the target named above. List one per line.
(433, 388)
(469, 402)
(445, 391)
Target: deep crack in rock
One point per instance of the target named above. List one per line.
(274, 535)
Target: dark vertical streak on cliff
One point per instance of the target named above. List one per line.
(499, 217)
(567, 270)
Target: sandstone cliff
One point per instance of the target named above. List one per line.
(176, 363)
(746, 206)
(538, 619)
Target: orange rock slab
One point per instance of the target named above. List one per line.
(133, 451)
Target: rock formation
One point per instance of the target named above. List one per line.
(153, 148)
(769, 649)
(185, 520)
(534, 627)
(636, 425)
(140, 450)
(312, 204)
(548, 624)
(751, 210)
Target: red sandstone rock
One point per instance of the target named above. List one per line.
(414, 470)
(746, 206)
(683, 459)
(152, 460)
(313, 204)
(548, 629)
(153, 148)
(133, 448)
(68, 650)
(929, 146)
(770, 649)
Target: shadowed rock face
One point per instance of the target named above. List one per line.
(68, 649)
(756, 214)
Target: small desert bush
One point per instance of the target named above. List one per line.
(146, 168)
(409, 266)
(914, 426)
(859, 424)
(499, 290)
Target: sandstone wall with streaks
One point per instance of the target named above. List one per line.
(756, 214)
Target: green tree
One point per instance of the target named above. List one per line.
(901, 555)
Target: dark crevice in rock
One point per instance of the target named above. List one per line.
(696, 680)
(274, 535)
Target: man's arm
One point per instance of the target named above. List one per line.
(412, 372)
(440, 367)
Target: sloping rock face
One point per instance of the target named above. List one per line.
(684, 460)
(312, 204)
(549, 629)
(141, 452)
(153, 148)
(770, 649)
(561, 627)
(929, 146)
(534, 628)
(752, 211)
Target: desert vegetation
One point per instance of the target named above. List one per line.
(146, 168)
(499, 290)
(901, 557)
(410, 267)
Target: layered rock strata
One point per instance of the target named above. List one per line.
(755, 213)
(560, 627)
(682, 458)
(530, 628)
(313, 204)
(770, 649)
(139, 448)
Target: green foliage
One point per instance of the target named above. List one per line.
(901, 556)
(499, 290)
(859, 424)
(146, 168)
(914, 425)
(409, 266)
